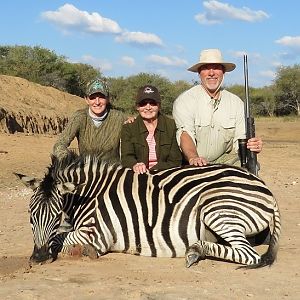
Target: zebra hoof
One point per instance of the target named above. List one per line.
(74, 250)
(191, 259)
(90, 251)
(82, 250)
(193, 255)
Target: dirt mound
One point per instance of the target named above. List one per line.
(32, 108)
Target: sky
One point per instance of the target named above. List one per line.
(165, 37)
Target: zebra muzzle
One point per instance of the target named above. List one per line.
(41, 255)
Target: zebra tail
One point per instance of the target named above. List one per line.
(268, 258)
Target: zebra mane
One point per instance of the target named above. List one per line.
(57, 165)
(71, 161)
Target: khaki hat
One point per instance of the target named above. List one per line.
(148, 92)
(97, 86)
(211, 56)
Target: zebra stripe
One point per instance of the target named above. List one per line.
(162, 214)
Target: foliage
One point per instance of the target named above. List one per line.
(238, 90)
(124, 90)
(45, 67)
(262, 100)
(287, 86)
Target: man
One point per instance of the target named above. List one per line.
(209, 119)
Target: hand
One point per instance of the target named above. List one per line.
(139, 168)
(197, 161)
(129, 120)
(255, 144)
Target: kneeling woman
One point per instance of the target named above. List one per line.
(97, 128)
(149, 143)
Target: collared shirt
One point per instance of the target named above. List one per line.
(215, 127)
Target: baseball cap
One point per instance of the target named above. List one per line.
(97, 86)
(148, 92)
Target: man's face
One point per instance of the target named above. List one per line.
(211, 76)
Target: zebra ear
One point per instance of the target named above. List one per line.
(30, 182)
(66, 187)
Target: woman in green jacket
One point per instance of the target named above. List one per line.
(149, 143)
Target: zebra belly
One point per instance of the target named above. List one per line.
(147, 250)
(161, 243)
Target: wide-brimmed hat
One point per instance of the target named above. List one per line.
(148, 92)
(97, 86)
(212, 56)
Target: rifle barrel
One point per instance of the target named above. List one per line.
(252, 165)
(247, 106)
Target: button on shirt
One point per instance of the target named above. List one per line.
(215, 127)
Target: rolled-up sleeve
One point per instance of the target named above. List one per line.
(184, 117)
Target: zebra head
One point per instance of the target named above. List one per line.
(45, 208)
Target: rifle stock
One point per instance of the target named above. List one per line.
(251, 157)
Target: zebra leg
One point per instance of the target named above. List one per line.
(77, 250)
(238, 251)
(243, 254)
(75, 243)
(194, 254)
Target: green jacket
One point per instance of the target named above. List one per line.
(102, 141)
(134, 147)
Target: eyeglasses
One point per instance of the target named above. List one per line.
(145, 102)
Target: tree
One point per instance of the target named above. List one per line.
(238, 90)
(264, 101)
(121, 94)
(175, 89)
(124, 90)
(43, 66)
(77, 76)
(32, 63)
(287, 84)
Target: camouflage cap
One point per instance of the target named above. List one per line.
(97, 86)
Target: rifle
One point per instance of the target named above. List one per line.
(247, 157)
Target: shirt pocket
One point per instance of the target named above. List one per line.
(201, 125)
(138, 147)
(164, 148)
(227, 128)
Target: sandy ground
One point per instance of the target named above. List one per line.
(120, 276)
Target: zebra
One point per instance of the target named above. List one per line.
(161, 214)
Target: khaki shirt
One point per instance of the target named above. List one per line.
(215, 127)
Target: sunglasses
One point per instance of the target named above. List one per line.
(145, 102)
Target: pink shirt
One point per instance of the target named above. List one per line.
(152, 153)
